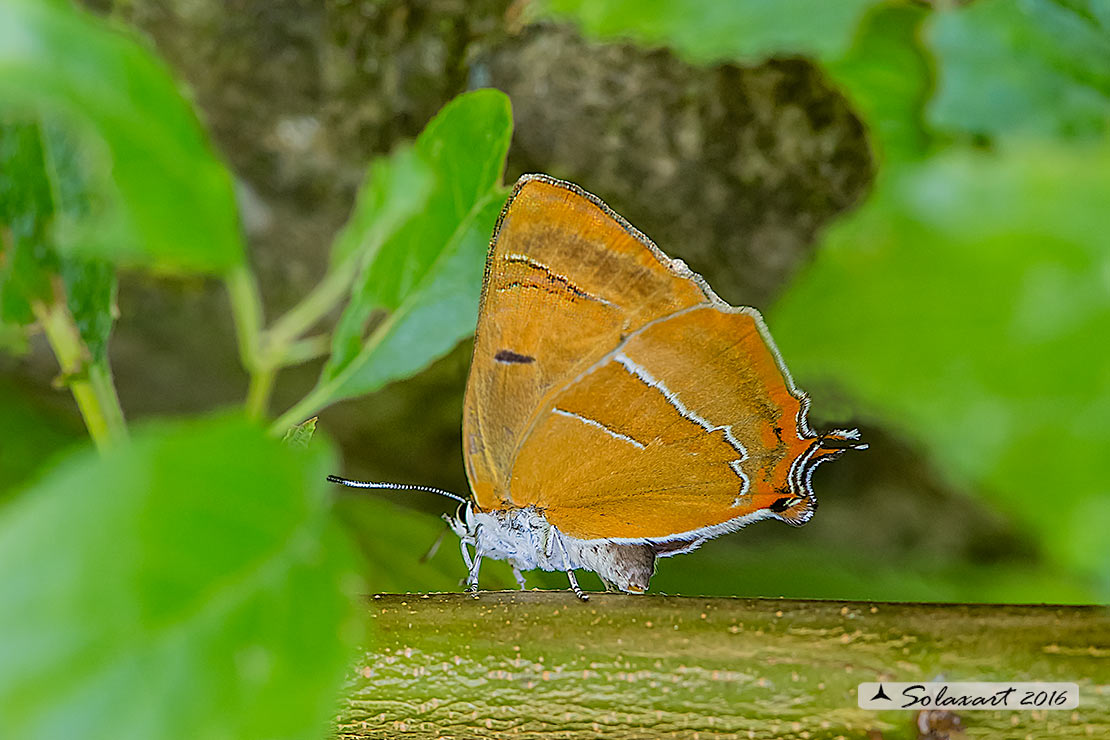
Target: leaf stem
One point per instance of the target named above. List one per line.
(258, 392)
(104, 390)
(246, 309)
(90, 382)
(306, 349)
(323, 298)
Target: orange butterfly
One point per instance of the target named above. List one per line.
(617, 410)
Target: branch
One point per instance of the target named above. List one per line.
(541, 664)
(90, 381)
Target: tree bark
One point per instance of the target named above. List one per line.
(542, 664)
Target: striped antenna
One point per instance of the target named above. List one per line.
(394, 487)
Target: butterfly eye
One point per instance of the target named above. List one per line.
(461, 514)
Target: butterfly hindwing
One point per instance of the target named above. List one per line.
(689, 423)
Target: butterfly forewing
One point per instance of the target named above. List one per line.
(566, 280)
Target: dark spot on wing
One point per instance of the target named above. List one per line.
(781, 505)
(778, 433)
(509, 357)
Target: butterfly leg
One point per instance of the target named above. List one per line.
(519, 578)
(466, 556)
(575, 587)
(570, 572)
(431, 553)
(472, 579)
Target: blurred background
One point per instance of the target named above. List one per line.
(916, 197)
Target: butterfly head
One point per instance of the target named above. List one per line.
(463, 522)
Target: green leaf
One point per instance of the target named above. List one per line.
(707, 32)
(395, 190)
(168, 201)
(967, 306)
(428, 273)
(91, 297)
(191, 583)
(90, 283)
(465, 146)
(887, 76)
(42, 180)
(436, 314)
(300, 435)
(1023, 66)
(27, 256)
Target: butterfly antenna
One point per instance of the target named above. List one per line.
(394, 487)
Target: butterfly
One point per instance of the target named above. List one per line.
(617, 411)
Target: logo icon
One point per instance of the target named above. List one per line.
(880, 694)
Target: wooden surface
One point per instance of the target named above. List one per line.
(543, 665)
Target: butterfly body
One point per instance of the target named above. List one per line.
(527, 541)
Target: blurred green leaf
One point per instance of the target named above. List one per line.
(41, 180)
(705, 32)
(300, 435)
(428, 273)
(1023, 66)
(90, 283)
(171, 204)
(91, 297)
(189, 584)
(27, 257)
(886, 74)
(967, 304)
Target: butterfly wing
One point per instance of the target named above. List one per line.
(566, 279)
(613, 389)
(689, 428)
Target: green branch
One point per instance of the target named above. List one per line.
(306, 349)
(541, 665)
(90, 382)
(246, 310)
